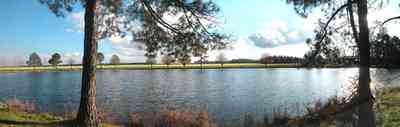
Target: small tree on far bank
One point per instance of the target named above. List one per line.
(185, 60)
(266, 59)
(201, 53)
(115, 60)
(168, 60)
(100, 58)
(151, 59)
(221, 58)
(202, 60)
(55, 59)
(70, 62)
(34, 60)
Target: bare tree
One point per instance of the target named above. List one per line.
(151, 59)
(203, 59)
(221, 58)
(71, 61)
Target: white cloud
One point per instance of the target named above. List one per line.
(388, 12)
(127, 50)
(278, 33)
(275, 37)
(245, 48)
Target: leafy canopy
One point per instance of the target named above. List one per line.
(334, 36)
(55, 59)
(193, 32)
(100, 57)
(34, 60)
(114, 59)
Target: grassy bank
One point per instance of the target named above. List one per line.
(148, 66)
(15, 113)
(388, 108)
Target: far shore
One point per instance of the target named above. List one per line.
(155, 66)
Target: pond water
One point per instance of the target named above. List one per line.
(225, 94)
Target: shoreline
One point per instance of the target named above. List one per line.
(17, 113)
(66, 68)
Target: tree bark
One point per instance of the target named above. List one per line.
(366, 114)
(87, 109)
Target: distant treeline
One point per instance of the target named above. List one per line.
(385, 52)
(263, 60)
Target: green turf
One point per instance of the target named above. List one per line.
(388, 108)
(27, 117)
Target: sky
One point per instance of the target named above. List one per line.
(256, 26)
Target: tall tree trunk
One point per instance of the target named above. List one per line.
(366, 114)
(87, 108)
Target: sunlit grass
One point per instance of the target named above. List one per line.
(22, 114)
(388, 108)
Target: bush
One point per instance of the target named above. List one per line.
(16, 105)
(170, 119)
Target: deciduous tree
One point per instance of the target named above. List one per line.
(168, 60)
(151, 59)
(266, 59)
(55, 59)
(100, 58)
(185, 60)
(114, 60)
(221, 58)
(34, 60)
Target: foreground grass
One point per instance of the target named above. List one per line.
(388, 108)
(21, 119)
(149, 66)
(12, 115)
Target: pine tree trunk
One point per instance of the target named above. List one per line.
(366, 113)
(87, 109)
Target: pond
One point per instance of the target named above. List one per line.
(225, 94)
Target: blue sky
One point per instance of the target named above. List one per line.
(259, 26)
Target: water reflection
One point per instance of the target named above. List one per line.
(225, 94)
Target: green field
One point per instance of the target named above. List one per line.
(148, 66)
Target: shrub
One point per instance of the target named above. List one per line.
(16, 105)
(170, 119)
